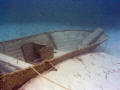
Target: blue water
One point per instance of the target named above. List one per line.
(19, 18)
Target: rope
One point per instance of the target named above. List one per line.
(49, 79)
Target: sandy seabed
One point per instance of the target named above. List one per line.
(93, 71)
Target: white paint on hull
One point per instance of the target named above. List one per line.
(13, 61)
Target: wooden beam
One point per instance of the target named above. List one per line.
(92, 37)
(52, 40)
(13, 61)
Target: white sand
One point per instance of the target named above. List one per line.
(94, 71)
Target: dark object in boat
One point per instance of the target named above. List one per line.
(33, 52)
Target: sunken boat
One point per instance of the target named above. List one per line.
(24, 58)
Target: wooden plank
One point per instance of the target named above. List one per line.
(7, 68)
(92, 37)
(14, 80)
(51, 40)
(14, 62)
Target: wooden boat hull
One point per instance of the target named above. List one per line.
(64, 40)
(67, 40)
(14, 80)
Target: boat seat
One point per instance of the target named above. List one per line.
(33, 52)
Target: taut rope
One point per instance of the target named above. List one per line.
(49, 79)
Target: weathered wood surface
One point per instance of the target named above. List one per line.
(92, 37)
(62, 40)
(7, 68)
(9, 64)
(36, 52)
(13, 61)
(14, 80)
(51, 40)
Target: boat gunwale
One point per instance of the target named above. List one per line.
(29, 36)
